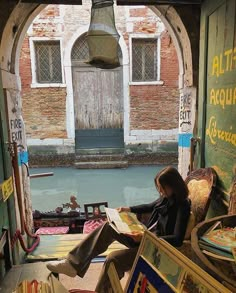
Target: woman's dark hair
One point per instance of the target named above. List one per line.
(170, 176)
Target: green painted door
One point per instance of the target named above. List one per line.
(7, 207)
(217, 89)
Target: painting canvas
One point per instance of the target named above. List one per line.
(221, 238)
(163, 262)
(191, 284)
(114, 279)
(146, 280)
(159, 267)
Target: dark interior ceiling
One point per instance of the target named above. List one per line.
(119, 2)
(157, 2)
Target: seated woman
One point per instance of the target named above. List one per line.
(168, 220)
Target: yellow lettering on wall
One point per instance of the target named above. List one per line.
(211, 130)
(234, 59)
(233, 139)
(224, 62)
(215, 134)
(234, 101)
(229, 96)
(221, 66)
(228, 53)
(215, 66)
(223, 97)
(217, 96)
(212, 97)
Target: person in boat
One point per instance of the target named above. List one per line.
(168, 220)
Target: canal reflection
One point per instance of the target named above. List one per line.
(119, 187)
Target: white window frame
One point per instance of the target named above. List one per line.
(35, 83)
(146, 36)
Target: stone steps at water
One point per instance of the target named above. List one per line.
(100, 151)
(100, 161)
(101, 165)
(99, 158)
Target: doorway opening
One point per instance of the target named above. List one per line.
(98, 102)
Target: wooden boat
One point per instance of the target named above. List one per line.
(74, 219)
(223, 271)
(53, 219)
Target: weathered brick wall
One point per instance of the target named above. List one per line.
(44, 109)
(25, 67)
(45, 112)
(157, 106)
(151, 106)
(51, 11)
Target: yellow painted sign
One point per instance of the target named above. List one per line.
(7, 188)
(219, 90)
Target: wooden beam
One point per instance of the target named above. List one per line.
(158, 2)
(3, 240)
(5, 249)
(41, 175)
(67, 2)
(119, 2)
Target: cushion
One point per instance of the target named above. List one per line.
(52, 230)
(199, 192)
(91, 225)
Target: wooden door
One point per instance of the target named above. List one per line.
(111, 102)
(217, 89)
(98, 100)
(85, 98)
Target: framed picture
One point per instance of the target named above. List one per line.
(159, 267)
(114, 279)
(146, 280)
(162, 262)
(192, 284)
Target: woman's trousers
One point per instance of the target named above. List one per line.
(96, 243)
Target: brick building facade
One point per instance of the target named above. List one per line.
(183, 23)
(150, 108)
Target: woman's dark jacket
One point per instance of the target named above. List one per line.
(171, 218)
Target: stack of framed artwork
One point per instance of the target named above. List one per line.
(159, 267)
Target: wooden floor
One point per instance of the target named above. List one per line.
(57, 246)
(19, 273)
(90, 279)
(40, 272)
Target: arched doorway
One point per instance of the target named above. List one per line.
(16, 26)
(98, 102)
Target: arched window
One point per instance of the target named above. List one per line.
(80, 50)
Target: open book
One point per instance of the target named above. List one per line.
(124, 222)
(223, 239)
(216, 255)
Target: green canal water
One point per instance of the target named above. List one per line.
(119, 187)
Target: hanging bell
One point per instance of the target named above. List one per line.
(102, 36)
